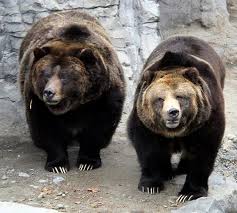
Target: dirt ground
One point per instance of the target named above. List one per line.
(113, 187)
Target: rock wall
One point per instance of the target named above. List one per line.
(206, 13)
(135, 27)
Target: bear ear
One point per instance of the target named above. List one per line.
(149, 75)
(87, 56)
(191, 74)
(40, 52)
(91, 59)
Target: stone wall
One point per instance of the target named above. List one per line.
(135, 27)
(206, 13)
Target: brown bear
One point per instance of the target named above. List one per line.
(178, 107)
(73, 87)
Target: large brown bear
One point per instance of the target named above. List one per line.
(179, 106)
(73, 87)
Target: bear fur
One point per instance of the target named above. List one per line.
(73, 87)
(178, 107)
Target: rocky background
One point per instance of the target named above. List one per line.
(135, 27)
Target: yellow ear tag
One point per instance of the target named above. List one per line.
(30, 103)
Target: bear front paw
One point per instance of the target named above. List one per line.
(59, 169)
(85, 167)
(57, 166)
(86, 163)
(188, 194)
(150, 185)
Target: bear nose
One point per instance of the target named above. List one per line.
(48, 94)
(173, 113)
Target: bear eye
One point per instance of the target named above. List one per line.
(184, 100)
(161, 100)
(63, 76)
(45, 73)
(179, 97)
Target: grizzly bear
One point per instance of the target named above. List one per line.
(73, 87)
(178, 107)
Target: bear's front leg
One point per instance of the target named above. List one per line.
(155, 167)
(97, 136)
(199, 167)
(47, 135)
(153, 155)
(57, 159)
(89, 157)
(102, 124)
(196, 183)
(155, 170)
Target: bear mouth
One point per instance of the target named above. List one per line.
(52, 103)
(172, 124)
(59, 107)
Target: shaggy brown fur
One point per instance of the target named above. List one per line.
(187, 75)
(71, 54)
(61, 30)
(173, 81)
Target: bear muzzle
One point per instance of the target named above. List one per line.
(172, 118)
(50, 97)
(52, 94)
(171, 112)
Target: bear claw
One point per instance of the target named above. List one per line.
(150, 190)
(85, 167)
(182, 198)
(59, 170)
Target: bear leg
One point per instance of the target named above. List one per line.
(182, 167)
(200, 165)
(93, 140)
(88, 159)
(153, 155)
(156, 168)
(47, 135)
(100, 130)
(57, 160)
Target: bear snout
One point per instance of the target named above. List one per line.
(52, 91)
(173, 113)
(48, 95)
(51, 97)
(172, 117)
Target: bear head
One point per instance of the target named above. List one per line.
(66, 75)
(175, 102)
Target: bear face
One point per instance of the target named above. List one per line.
(173, 101)
(64, 80)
